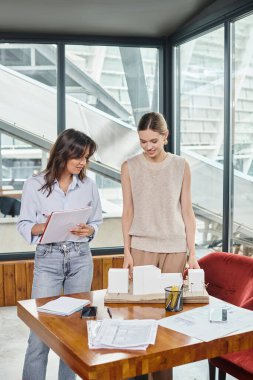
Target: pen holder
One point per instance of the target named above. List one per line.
(173, 299)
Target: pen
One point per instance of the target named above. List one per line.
(109, 312)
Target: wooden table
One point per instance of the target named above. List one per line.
(67, 336)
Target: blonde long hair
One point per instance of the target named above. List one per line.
(154, 121)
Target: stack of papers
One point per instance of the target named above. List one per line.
(63, 305)
(196, 324)
(122, 334)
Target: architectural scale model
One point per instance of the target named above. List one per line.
(148, 279)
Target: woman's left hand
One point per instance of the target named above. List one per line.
(82, 230)
(193, 263)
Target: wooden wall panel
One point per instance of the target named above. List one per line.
(9, 285)
(97, 282)
(29, 277)
(1, 285)
(117, 261)
(20, 281)
(107, 264)
(16, 277)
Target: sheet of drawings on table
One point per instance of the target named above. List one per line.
(196, 322)
(122, 334)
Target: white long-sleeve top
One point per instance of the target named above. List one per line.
(36, 206)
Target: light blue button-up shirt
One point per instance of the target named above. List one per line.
(36, 206)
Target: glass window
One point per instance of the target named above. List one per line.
(201, 121)
(18, 161)
(28, 92)
(120, 81)
(28, 116)
(243, 137)
(108, 89)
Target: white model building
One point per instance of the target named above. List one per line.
(147, 279)
(196, 280)
(118, 279)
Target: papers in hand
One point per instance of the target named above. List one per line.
(59, 224)
(122, 334)
(63, 305)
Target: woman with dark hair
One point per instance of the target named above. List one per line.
(64, 267)
(158, 221)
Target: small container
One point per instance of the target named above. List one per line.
(218, 314)
(173, 298)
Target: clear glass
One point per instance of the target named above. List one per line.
(19, 160)
(28, 114)
(201, 132)
(28, 88)
(119, 81)
(110, 232)
(243, 137)
(108, 89)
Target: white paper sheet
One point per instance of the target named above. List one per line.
(195, 322)
(60, 223)
(122, 334)
(63, 305)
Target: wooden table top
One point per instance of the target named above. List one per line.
(67, 336)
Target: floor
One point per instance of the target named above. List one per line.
(13, 338)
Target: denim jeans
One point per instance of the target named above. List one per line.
(58, 268)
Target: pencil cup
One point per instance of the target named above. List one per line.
(173, 299)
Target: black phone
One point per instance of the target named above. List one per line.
(89, 312)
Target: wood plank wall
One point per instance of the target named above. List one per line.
(16, 277)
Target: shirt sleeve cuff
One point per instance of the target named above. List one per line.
(91, 237)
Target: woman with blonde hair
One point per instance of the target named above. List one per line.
(158, 221)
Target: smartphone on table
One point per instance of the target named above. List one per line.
(89, 312)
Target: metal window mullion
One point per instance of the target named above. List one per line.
(171, 96)
(61, 118)
(1, 162)
(177, 100)
(162, 86)
(174, 124)
(227, 165)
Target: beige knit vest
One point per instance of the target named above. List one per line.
(157, 225)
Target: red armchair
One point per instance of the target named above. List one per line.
(230, 278)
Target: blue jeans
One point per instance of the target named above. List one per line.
(58, 268)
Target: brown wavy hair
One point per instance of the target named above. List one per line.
(69, 144)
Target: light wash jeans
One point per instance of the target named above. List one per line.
(60, 267)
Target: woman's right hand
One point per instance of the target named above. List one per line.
(128, 263)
